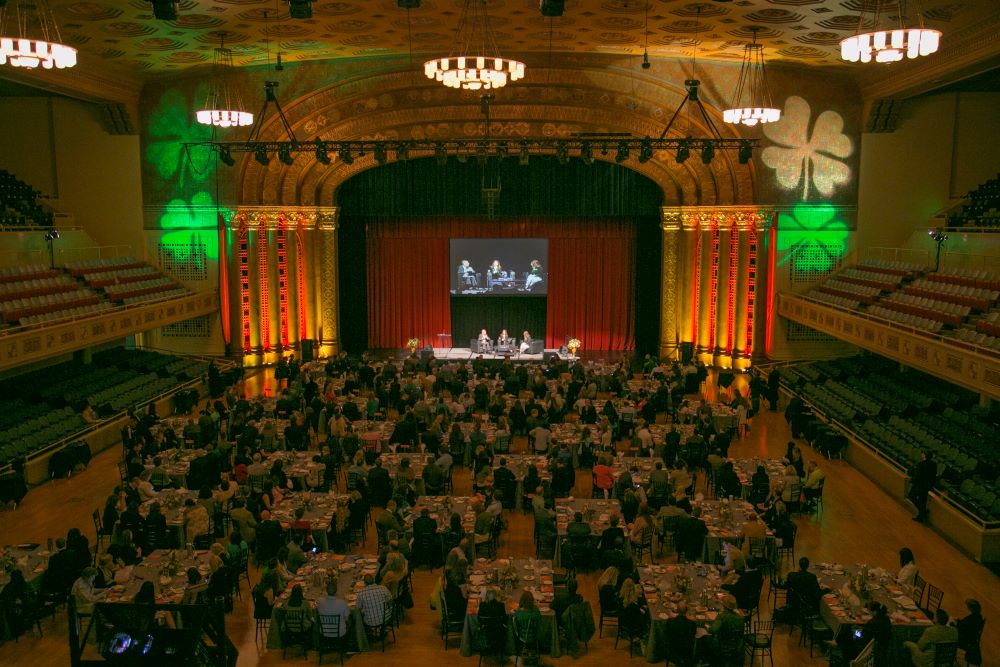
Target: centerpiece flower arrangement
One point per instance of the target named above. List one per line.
(7, 562)
(861, 581)
(725, 512)
(171, 565)
(412, 344)
(682, 582)
(507, 577)
(573, 344)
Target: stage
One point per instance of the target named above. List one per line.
(465, 353)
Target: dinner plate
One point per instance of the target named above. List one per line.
(529, 578)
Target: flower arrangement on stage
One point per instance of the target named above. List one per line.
(573, 344)
(412, 344)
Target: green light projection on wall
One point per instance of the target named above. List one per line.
(184, 178)
(812, 238)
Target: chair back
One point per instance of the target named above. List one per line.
(867, 656)
(329, 625)
(945, 654)
(295, 620)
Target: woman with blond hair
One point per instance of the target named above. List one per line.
(394, 571)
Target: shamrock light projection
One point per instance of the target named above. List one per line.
(800, 156)
(812, 238)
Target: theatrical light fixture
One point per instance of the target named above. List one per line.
(683, 153)
(380, 154)
(408, 4)
(321, 155)
(224, 105)
(29, 37)
(300, 9)
(745, 152)
(587, 153)
(440, 155)
(623, 152)
(260, 154)
(884, 37)
(345, 154)
(562, 152)
(752, 100)
(285, 155)
(52, 235)
(226, 157)
(524, 155)
(939, 237)
(502, 150)
(165, 10)
(475, 62)
(403, 151)
(646, 150)
(707, 152)
(552, 7)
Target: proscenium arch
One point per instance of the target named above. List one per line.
(400, 105)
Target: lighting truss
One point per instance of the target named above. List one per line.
(616, 147)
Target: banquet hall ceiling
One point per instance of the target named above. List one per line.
(124, 34)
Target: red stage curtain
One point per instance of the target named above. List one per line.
(591, 278)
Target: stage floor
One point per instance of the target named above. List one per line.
(467, 353)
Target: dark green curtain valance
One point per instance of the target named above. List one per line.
(543, 187)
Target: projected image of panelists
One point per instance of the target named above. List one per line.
(499, 266)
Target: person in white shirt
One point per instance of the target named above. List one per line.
(540, 436)
(907, 574)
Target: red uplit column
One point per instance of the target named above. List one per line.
(281, 237)
(265, 287)
(300, 282)
(244, 254)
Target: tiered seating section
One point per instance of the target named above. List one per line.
(44, 407)
(33, 294)
(19, 206)
(961, 303)
(983, 209)
(902, 413)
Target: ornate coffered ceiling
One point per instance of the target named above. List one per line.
(122, 46)
(806, 32)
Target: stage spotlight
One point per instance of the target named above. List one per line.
(552, 7)
(683, 152)
(562, 152)
(707, 152)
(745, 152)
(300, 9)
(646, 150)
(52, 235)
(285, 154)
(380, 155)
(408, 4)
(321, 155)
(440, 155)
(524, 156)
(502, 150)
(403, 151)
(586, 153)
(260, 154)
(623, 152)
(165, 10)
(345, 154)
(225, 157)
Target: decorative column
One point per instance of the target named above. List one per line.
(330, 290)
(670, 284)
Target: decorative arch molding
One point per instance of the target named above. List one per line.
(405, 107)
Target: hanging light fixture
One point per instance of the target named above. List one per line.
(752, 99)
(224, 105)
(30, 37)
(879, 40)
(475, 62)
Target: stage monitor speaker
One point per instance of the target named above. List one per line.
(547, 357)
(427, 352)
(687, 353)
(306, 349)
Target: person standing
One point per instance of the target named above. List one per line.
(923, 480)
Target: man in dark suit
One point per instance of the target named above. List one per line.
(803, 589)
(434, 477)
(923, 480)
(505, 482)
(62, 570)
(578, 527)
(680, 633)
(379, 483)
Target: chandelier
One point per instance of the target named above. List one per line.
(752, 100)
(888, 43)
(477, 65)
(223, 105)
(37, 41)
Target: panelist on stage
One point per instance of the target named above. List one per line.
(525, 342)
(485, 342)
(503, 342)
(467, 274)
(534, 275)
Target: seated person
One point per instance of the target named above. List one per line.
(504, 341)
(525, 342)
(467, 275)
(484, 341)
